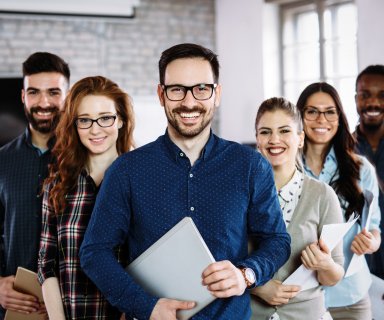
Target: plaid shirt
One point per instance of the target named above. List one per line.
(61, 237)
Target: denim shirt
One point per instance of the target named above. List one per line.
(376, 260)
(351, 289)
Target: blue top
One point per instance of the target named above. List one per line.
(23, 168)
(376, 157)
(351, 289)
(230, 194)
(22, 171)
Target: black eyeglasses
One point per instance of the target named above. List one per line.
(177, 92)
(104, 122)
(313, 114)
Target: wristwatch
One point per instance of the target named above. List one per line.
(249, 276)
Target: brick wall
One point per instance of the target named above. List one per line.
(125, 50)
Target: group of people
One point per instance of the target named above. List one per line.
(78, 200)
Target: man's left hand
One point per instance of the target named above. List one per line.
(224, 280)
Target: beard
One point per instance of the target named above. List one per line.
(182, 129)
(371, 125)
(46, 125)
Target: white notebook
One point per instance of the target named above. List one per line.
(172, 267)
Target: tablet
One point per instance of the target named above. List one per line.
(173, 265)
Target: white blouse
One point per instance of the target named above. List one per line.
(289, 195)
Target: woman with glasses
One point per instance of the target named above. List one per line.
(95, 128)
(280, 137)
(329, 157)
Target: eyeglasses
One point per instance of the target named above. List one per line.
(312, 114)
(104, 122)
(202, 91)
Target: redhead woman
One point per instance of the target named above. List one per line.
(280, 137)
(329, 157)
(95, 128)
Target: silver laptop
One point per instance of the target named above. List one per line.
(172, 267)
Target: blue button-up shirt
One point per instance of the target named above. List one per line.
(23, 168)
(351, 289)
(377, 159)
(229, 192)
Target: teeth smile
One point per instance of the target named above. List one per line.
(97, 139)
(276, 150)
(321, 130)
(190, 115)
(44, 113)
(372, 113)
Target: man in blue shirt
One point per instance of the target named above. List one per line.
(226, 188)
(24, 166)
(370, 139)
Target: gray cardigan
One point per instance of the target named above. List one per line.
(317, 206)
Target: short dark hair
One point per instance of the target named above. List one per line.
(45, 62)
(374, 69)
(188, 50)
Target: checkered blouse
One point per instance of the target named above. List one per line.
(61, 237)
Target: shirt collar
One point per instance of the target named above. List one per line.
(176, 152)
(360, 137)
(28, 137)
(329, 167)
(288, 191)
(28, 140)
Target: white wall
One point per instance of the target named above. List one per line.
(239, 46)
(245, 31)
(370, 38)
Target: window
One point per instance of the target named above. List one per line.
(319, 44)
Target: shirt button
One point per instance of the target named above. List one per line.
(192, 209)
(191, 175)
(181, 154)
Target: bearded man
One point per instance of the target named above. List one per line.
(24, 166)
(370, 139)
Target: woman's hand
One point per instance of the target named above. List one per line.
(366, 242)
(275, 293)
(317, 256)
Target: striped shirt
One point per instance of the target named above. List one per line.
(61, 237)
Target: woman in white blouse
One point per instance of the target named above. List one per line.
(306, 205)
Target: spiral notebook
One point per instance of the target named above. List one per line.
(172, 267)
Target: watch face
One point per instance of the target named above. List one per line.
(250, 275)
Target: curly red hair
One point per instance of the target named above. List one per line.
(69, 153)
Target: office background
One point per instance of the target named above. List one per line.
(98, 37)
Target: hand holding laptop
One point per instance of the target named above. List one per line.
(224, 280)
(167, 308)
